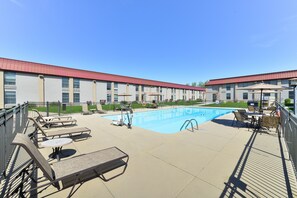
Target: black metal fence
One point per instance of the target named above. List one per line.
(12, 121)
(289, 132)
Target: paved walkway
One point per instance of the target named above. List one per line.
(216, 161)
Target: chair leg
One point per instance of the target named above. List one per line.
(233, 121)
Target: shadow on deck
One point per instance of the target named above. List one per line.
(257, 173)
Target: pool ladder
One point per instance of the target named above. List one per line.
(186, 124)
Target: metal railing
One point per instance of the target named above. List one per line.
(289, 132)
(186, 124)
(12, 121)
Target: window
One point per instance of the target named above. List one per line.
(228, 87)
(136, 88)
(9, 78)
(65, 82)
(65, 97)
(116, 98)
(116, 86)
(160, 89)
(10, 97)
(142, 88)
(76, 98)
(76, 83)
(245, 96)
(137, 97)
(109, 86)
(108, 98)
(228, 96)
(291, 94)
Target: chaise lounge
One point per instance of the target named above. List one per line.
(50, 121)
(76, 170)
(42, 118)
(85, 110)
(73, 131)
(98, 109)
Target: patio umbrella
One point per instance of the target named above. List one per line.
(262, 87)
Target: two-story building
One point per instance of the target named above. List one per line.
(231, 89)
(22, 81)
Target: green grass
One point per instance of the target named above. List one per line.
(229, 104)
(108, 107)
(54, 109)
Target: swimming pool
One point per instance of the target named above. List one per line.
(170, 120)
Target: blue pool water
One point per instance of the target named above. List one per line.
(171, 120)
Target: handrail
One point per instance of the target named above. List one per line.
(191, 126)
(186, 124)
(195, 122)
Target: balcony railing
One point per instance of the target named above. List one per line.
(12, 121)
(289, 132)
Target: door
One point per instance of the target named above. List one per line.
(214, 97)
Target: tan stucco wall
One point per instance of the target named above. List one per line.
(112, 92)
(71, 90)
(41, 88)
(139, 93)
(94, 91)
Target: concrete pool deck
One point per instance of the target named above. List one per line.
(217, 160)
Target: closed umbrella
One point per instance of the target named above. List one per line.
(124, 94)
(155, 94)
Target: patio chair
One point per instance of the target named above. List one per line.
(252, 108)
(42, 118)
(269, 122)
(245, 116)
(272, 110)
(76, 170)
(85, 110)
(241, 120)
(71, 132)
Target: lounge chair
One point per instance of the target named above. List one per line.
(85, 110)
(50, 121)
(98, 109)
(73, 131)
(43, 118)
(76, 170)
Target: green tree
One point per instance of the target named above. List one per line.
(202, 84)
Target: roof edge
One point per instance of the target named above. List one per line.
(98, 73)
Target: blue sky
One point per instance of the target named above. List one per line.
(176, 41)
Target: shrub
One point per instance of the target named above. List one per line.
(287, 102)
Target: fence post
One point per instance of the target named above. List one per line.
(47, 108)
(59, 107)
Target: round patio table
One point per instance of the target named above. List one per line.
(57, 145)
(257, 118)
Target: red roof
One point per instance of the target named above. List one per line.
(44, 69)
(253, 78)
